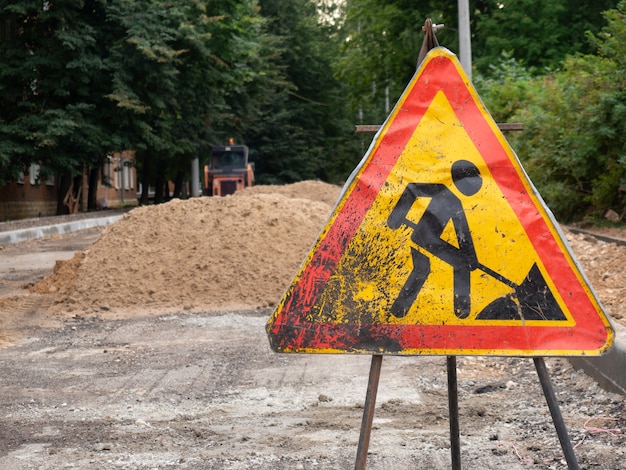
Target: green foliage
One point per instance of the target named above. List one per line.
(574, 141)
(506, 88)
(383, 38)
(49, 77)
(304, 131)
(168, 79)
(538, 33)
(81, 78)
(381, 44)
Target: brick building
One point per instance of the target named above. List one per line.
(117, 185)
(30, 196)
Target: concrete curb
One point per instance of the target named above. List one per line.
(17, 236)
(609, 371)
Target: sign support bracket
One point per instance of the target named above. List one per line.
(453, 413)
(555, 411)
(453, 408)
(368, 412)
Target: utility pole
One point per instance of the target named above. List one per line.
(465, 44)
(195, 178)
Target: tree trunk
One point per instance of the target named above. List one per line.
(63, 186)
(166, 190)
(159, 189)
(179, 184)
(92, 198)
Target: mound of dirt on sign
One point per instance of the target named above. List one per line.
(235, 252)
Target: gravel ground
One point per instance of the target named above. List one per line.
(203, 390)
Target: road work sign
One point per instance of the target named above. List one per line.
(440, 244)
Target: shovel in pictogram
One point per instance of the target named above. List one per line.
(530, 300)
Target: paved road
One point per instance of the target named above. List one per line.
(29, 261)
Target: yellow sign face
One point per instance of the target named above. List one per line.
(363, 288)
(378, 260)
(440, 245)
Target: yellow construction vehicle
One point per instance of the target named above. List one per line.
(228, 171)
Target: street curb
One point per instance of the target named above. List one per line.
(609, 371)
(17, 236)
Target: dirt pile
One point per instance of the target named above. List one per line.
(604, 264)
(234, 252)
(63, 277)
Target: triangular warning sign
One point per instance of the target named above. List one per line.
(440, 244)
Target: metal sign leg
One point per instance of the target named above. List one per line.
(368, 412)
(555, 411)
(453, 411)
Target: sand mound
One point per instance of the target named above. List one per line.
(63, 277)
(239, 251)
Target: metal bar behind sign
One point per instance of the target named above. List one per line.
(503, 126)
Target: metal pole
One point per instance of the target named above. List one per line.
(453, 411)
(555, 411)
(368, 412)
(195, 177)
(465, 42)
(122, 161)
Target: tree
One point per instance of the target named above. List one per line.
(51, 88)
(507, 88)
(188, 74)
(304, 131)
(382, 41)
(144, 57)
(575, 128)
(540, 34)
(85, 77)
(380, 51)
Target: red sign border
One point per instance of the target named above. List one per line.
(289, 329)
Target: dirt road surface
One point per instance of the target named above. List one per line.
(201, 390)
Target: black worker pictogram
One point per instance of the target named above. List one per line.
(530, 300)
